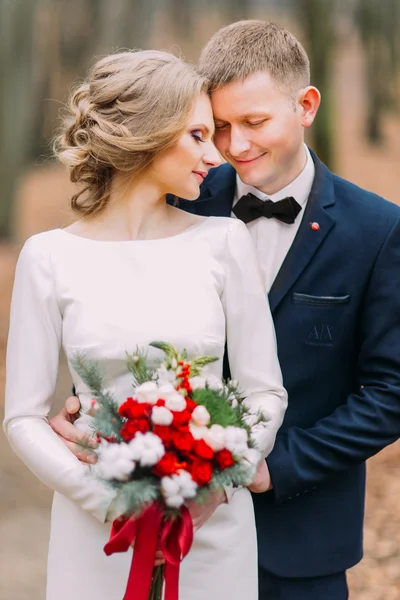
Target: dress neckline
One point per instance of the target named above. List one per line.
(163, 239)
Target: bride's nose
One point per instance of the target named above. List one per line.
(212, 157)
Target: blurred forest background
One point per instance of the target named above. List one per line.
(45, 46)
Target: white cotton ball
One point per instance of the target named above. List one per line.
(197, 432)
(115, 462)
(152, 450)
(147, 392)
(236, 440)
(214, 382)
(173, 399)
(170, 489)
(188, 487)
(197, 382)
(165, 376)
(253, 456)
(169, 486)
(215, 437)
(175, 402)
(137, 446)
(174, 501)
(160, 415)
(201, 416)
(166, 390)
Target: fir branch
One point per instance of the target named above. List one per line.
(106, 419)
(137, 364)
(168, 349)
(133, 496)
(199, 363)
(221, 412)
(237, 475)
(88, 371)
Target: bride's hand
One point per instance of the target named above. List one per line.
(262, 480)
(200, 513)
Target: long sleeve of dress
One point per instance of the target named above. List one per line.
(252, 349)
(31, 372)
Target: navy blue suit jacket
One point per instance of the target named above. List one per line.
(336, 308)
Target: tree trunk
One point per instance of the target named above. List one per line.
(318, 22)
(16, 118)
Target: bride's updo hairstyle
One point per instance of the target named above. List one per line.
(132, 106)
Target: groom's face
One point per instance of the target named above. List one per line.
(259, 131)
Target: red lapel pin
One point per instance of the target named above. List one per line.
(314, 226)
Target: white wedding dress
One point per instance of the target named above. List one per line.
(191, 290)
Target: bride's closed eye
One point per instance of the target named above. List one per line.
(197, 135)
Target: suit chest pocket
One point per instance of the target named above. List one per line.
(320, 301)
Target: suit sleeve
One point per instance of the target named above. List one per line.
(251, 338)
(31, 370)
(303, 459)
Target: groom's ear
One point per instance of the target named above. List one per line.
(309, 100)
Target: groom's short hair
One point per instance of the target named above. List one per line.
(246, 47)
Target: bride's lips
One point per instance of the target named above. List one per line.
(201, 175)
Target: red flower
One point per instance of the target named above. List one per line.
(224, 459)
(190, 405)
(132, 409)
(183, 441)
(181, 418)
(201, 471)
(130, 428)
(160, 402)
(203, 450)
(167, 465)
(165, 433)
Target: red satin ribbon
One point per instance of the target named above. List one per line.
(176, 537)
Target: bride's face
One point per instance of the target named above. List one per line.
(181, 170)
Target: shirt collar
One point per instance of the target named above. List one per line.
(299, 188)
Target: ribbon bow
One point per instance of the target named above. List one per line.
(176, 537)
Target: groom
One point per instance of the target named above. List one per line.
(329, 253)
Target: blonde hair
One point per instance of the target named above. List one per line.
(246, 47)
(132, 106)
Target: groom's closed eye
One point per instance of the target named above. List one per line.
(220, 126)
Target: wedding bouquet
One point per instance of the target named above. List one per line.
(179, 436)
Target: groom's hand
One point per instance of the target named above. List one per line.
(262, 480)
(78, 442)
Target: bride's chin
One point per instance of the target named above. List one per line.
(186, 195)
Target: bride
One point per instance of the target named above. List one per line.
(130, 270)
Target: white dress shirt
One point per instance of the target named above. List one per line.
(271, 237)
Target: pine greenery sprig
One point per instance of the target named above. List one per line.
(133, 496)
(239, 474)
(173, 357)
(106, 418)
(137, 365)
(221, 411)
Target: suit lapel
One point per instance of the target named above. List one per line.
(307, 240)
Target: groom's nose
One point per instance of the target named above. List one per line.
(238, 143)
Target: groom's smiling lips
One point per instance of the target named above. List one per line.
(247, 161)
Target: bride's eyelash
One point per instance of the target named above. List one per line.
(197, 136)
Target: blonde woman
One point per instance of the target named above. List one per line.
(132, 269)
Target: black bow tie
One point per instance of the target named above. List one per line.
(250, 207)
